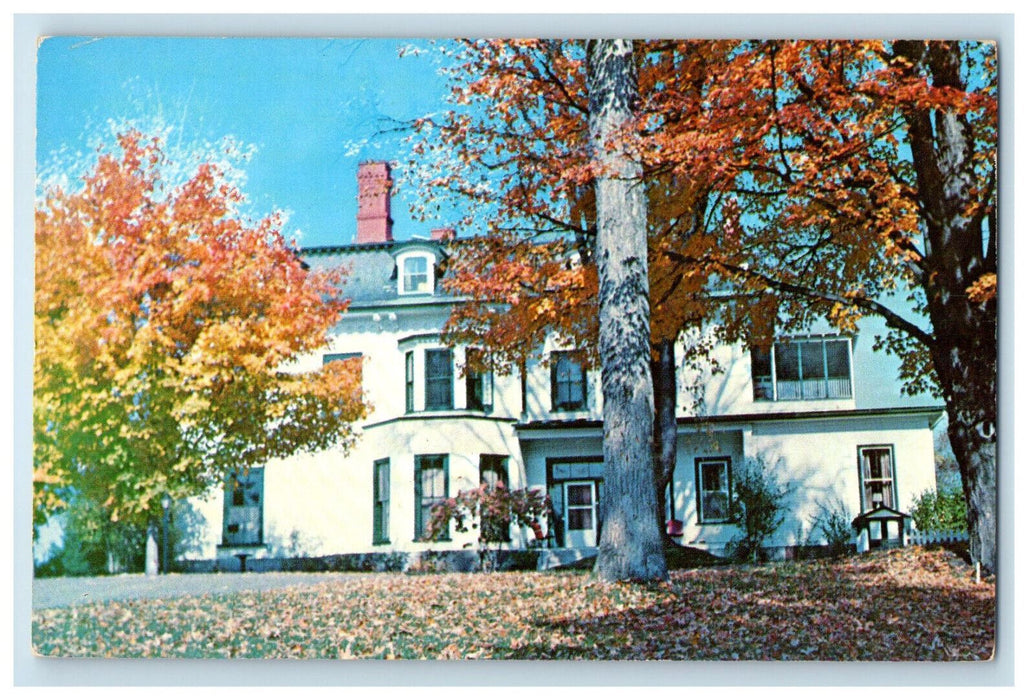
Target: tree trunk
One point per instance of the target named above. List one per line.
(959, 251)
(663, 379)
(151, 550)
(630, 547)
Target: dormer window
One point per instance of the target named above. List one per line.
(416, 275)
(415, 267)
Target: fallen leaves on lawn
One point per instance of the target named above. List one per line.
(902, 605)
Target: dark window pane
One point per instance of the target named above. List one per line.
(493, 470)
(439, 379)
(812, 360)
(581, 495)
(714, 506)
(762, 373)
(713, 476)
(787, 361)
(837, 359)
(580, 519)
(568, 384)
(714, 487)
(479, 385)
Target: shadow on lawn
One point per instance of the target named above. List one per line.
(832, 612)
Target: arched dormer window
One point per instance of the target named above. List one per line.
(415, 268)
(417, 274)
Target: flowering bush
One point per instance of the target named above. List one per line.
(494, 510)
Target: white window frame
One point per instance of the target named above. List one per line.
(426, 278)
(771, 382)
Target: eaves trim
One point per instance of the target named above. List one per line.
(932, 412)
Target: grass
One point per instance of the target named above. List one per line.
(908, 604)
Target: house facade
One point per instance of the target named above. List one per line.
(819, 409)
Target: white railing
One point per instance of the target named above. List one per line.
(936, 537)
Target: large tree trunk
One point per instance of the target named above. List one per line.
(630, 543)
(663, 379)
(960, 239)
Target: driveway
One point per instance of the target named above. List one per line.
(65, 592)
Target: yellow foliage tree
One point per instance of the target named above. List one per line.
(164, 321)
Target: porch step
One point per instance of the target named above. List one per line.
(568, 556)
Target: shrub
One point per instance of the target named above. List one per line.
(493, 509)
(834, 522)
(757, 508)
(940, 511)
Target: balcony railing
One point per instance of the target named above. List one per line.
(803, 389)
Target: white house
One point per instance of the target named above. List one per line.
(822, 408)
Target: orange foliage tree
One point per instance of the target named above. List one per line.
(876, 196)
(164, 324)
(515, 149)
(809, 178)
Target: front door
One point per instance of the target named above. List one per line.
(580, 514)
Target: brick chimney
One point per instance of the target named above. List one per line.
(443, 234)
(374, 219)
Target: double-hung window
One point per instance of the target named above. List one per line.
(382, 493)
(877, 476)
(430, 481)
(438, 380)
(409, 382)
(416, 275)
(714, 489)
(479, 383)
(242, 508)
(493, 474)
(567, 383)
(818, 368)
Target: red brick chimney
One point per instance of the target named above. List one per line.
(374, 219)
(443, 234)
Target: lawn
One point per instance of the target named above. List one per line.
(908, 604)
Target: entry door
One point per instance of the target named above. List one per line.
(580, 514)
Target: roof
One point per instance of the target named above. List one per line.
(371, 267)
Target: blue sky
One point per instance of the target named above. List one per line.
(311, 108)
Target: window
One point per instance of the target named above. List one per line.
(242, 508)
(416, 274)
(438, 380)
(524, 387)
(382, 490)
(804, 369)
(580, 505)
(568, 384)
(479, 385)
(877, 476)
(713, 490)
(493, 473)
(430, 479)
(409, 382)
(493, 470)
